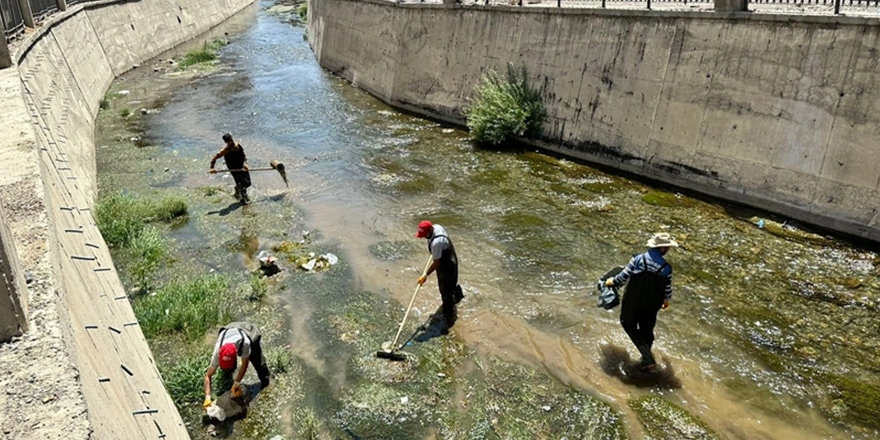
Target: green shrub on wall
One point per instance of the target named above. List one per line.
(504, 107)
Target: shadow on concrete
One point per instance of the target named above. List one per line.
(615, 361)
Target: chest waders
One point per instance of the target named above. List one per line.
(447, 279)
(257, 359)
(645, 293)
(235, 160)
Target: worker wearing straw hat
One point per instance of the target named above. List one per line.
(648, 291)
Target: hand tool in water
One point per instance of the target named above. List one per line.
(389, 349)
(275, 165)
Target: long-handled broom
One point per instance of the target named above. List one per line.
(275, 165)
(389, 349)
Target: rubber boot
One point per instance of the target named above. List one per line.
(458, 295)
(647, 358)
(244, 196)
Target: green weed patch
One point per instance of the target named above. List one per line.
(185, 379)
(185, 307)
(122, 218)
(205, 54)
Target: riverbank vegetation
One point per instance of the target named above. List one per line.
(207, 53)
(505, 107)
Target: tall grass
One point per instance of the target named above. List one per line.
(259, 287)
(505, 107)
(184, 380)
(146, 250)
(121, 217)
(303, 11)
(187, 308)
(200, 55)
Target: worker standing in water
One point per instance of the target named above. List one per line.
(446, 265)
(648, 291)
(233, 154)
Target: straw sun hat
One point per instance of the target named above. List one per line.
(660, 240)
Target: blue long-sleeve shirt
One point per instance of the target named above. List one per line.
(653, 260)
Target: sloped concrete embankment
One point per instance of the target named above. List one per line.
(48, 184)
(778, 112)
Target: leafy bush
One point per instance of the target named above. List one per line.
(303, 11)
(184, 380)
(504, 107)
(185, 307)
(124, 112)
(104, 104)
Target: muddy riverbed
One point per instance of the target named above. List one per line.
(768, 336)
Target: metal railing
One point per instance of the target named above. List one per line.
(42, 8)
(763, 6)
(13, 22)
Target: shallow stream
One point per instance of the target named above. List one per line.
(767, 337)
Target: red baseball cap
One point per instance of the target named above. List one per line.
(227, 356)
(425, 228)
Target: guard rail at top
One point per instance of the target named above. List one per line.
(779, 7)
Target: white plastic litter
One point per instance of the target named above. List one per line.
(310, 265)
(332, 259)
(404, 400)
(216, 412)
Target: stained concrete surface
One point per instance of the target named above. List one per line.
(771, 111)
(84, 370)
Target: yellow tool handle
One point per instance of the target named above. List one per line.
(411, 301)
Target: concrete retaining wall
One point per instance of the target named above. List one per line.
(65, 69)
(773, 111)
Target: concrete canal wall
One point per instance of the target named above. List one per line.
(47, 183)
(779, 112)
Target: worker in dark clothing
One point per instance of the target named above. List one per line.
(445, 264)
(648, 291)
(233, 154)
(236, 339)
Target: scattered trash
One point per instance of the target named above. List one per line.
(277, 437)
(144, 111)
(787, 230)
(441, 375)
(546, 408)
(123, 92)
(404, 400)
(320, 262)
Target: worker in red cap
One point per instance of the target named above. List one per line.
(237, 339)
(445, 264)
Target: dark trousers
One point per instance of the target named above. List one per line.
(638, 321)
(450, 293)
(242, 182)
(258, 360)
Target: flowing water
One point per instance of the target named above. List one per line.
(767, 337)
